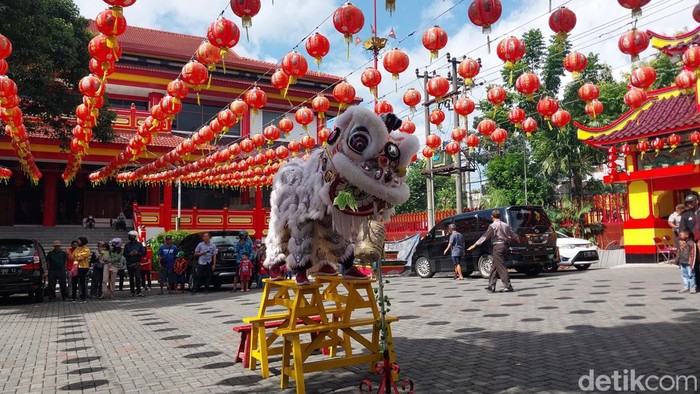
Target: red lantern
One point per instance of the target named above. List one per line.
(437, 117)
(8, 87)
(459, 133)
(499, 136)
(691, 57)
(634, 5)
(255, 98)
(658, 144)
(383, 107)
(90, 86)
(396, 61)
(344, 93)
(223, 33)
(464, 106)
(674, 140)
(320, 104)
(111, 22)
(411, 98)
(529, 126)
(247, 145)
(294, 147)
(3, 67)
(194, 74)
(510, 50)
(407, 127)
(433, 141)
(239, 108)
(5, 47)
(206, 133)
(516, 116)
(258, 141)
(280, 80)
(96, 102)
(209, 55)
(527, 84)
(286, 125)
(434, 39)
(485, 13)
(437, 87)
(468, 69)
(105, 48)
(547, 106)
(178, 89)
(486, 127)
(635, 98)
(496, 96)
(13, 102)
(323, 135)
(371, 78)
(120, 3)
(588, 92)
(686, 81)
(594, 108)
(348, 20)
(695, 139)
(216, 126)
(246, 10)
(308, 142)
(317, 46)
(633, 43)
(103, 69)
(427, 152)
(452, 148)
(626, 149)
(294, 64)
(282, 152)
(562, 21)
(575, 62)
(170, 105)
(472, 141)
(561, 118)
(271, 133)
(304, 116)
(642, 77)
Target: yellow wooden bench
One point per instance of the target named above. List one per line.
(327, 336)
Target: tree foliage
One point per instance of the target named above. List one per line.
(49, 40)
(443, 186)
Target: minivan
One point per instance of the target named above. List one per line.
(528, 221)
(22, 268)
(226, 258)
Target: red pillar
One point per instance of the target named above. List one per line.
(245, 125)
(167, 211)
(153, 195)
(258, 214)
(320, 124)
(154, 98)
(50, 203)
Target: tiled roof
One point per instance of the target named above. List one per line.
(158, 43)
(159, 140)
(678, 43)
(676, 112)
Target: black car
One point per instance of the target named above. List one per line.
(22, 268)
(528, 221)
(226, 258)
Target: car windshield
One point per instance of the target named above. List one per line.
(562, 235)
(13, 249)
(224, 240)
(527, 218)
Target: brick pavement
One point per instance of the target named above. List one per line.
(453, 337)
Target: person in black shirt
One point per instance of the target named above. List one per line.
(690, 222)
(57, 259)
(133, 253)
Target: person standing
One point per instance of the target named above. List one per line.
(146, 268)
(81, 257)
(500, 234)
(180, 271)
(245, 270)
(109, 271)
(133, 253)
(686, 261)
(118, 261)
(69, 265)
(206, 263)
(456, 249)
(97, 271)
(690, 222)
(243, 246)
(57, 259)
(166, 255)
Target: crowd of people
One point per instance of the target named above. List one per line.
(81, 273)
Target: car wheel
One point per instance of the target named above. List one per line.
(38, 296)
(424, 268)
(485, 263)
(582, 267)
(550, 267)
(532, 270)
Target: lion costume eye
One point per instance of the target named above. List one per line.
(333, 137)
(358, 140)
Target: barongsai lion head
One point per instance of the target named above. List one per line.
(370, 156)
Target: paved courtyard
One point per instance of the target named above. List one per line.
(453, 337)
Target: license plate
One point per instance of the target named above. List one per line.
(589, 254)
(4, 261)
(5, 271)
(227, 255)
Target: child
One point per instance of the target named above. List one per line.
(180, 270)
(245, 270)
(146, 267)
(686, 260)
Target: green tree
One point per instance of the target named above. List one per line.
(506, 175)
(49, 40)
(443, 186)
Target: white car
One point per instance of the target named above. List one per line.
(578, 252)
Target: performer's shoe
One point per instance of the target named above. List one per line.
(508, 289)
(301, 277)
(275, 273)
(326, 270)
(354, 274)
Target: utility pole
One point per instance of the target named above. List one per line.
(458, 161)
(429, 162)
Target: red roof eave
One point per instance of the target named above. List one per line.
(679, 37)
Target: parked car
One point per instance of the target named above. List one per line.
(529, 222)
(576, 252)
(226, 258)
(22, 268)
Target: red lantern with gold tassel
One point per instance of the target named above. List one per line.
(634, 98)
(318, 46)
(643, 77)
(562, 21)
(673, 141)
(286, 125)
(695, 139)
(510, 50)
(196, 75)
(575, 62)
(411, 98)
(634, 5)
(594, 108)
(561, 118)
(437, 117)
(468, 69)
(396, 61)
(304, 116)
(111, 22)
(280, 80)
(271, 133)
(105, 48)
(499, 136)
(588, 92)
(464, 106)
(434, 39)
(486, 127)
(256, 99)
(529, 126)
(458, 133)
(437, 87)
(496, 96)
(407, 127)
(686, 81)
(658, 144)
(239, 108)
(348, 20)
(472, 141)
(433, 141)
(294, 64)
(485, 13)
(344, 93)
(208, 55)
(516, 116)
(371, 78)
(320, 104)
(527, 84)
(547, 106)
(246, 10)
